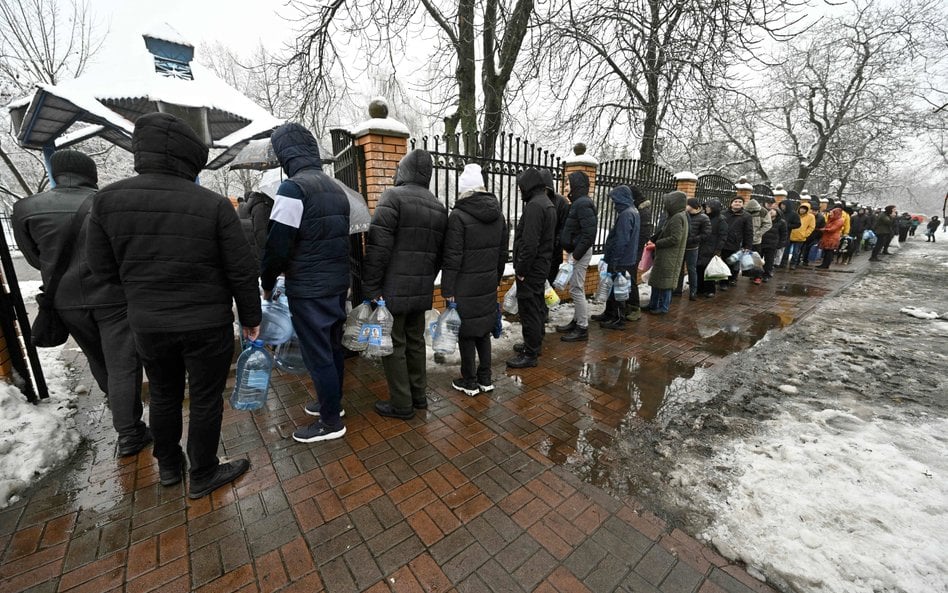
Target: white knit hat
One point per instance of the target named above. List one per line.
(470, 179)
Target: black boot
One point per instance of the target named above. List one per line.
(565, 329)
(579, 334)
(522, 361)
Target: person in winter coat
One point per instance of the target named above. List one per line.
(740, 237)
(533, 248)
(930, 229)
(644, 206)
(884, 227)
(832, 233)
(621, 256)
(475, 251)
(259, 206)
(699, 232)
(904, 225)
(669, 253)
(182, 259)
(799, 236)
(915, 224)
(577, 237)
(855, 231)
(402, 257)
(309, 243)
(788, 211)
(813, 240)
(761, 219)
(772, 242)
(92, 309)
(711, 247)
(561, 206)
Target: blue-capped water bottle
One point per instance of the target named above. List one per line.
(448, 326)
(377, 332)
(352, 331)
(254, 366)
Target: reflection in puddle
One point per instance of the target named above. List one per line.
(643, 381)
(727, 339)
(800, 290)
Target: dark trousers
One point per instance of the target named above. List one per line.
(812, 240)
(769, 254)
(735, 268)
(405, 369)
(532, 310)
(903, 235)
(319, 323)
(468, 347)
(704, 286)
(827, 258)
(691, 266)
(202, 357)
(105, 338)
(882, 244)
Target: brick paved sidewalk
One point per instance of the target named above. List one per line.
(467, 496)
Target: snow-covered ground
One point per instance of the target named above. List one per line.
(837, 481)
(36, 438)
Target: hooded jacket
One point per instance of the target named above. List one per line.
(41, 226)
(475, 251)
(309, 222)
(533, 240)
(670, 243)
(833, 230)
(579, 232)
(740, 230)
(761, 219)
(177, 248)
(718, 235)
(807, 225)
(788, 208)
(259, 206)
(883, 223)
(403, 251)
(622, 245)
(699, 230)
(560, 205)
(777, 235)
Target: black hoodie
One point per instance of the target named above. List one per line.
(579, 232)
(176, 247)
(475, 251)
(533, 240)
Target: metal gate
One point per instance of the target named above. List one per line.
(715, 186)
(349, 167)
(651, 180)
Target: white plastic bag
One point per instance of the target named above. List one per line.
(549, 295)
(510, 300)
(717, 269)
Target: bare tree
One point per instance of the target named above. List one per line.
(388, 30)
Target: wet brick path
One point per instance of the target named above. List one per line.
(468, 496)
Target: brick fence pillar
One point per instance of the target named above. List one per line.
(805, 198)
(744, 189)
(780, 194)
(385, 142)
(686, 182)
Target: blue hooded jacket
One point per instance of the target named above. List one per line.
(622, 244)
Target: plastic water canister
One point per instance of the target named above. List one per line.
(562, 276)
(289, 356)
(276, 326)
(620, 287)
(254, 366)
(449, 324)
(510, 300)
(353, 328)
(605, 287)
(377, 332)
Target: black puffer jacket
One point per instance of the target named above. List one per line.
(699, 230)
(177, 247)
(403, 252)
(309, 228)
(259, 206)
(533, 240)
(788, 209)
(560, 204)
(740, 230)
(715, 241)
(41, 225)
(475, 251)
(777, 236)
(579, 232)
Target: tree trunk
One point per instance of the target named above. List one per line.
(466, 77)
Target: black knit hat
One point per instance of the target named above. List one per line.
(694, 203)
(73, 161)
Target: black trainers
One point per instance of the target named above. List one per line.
(225, 474)
(613, 324)
(522, 361)
(172, 473)
(563, 329)
(131, 445)
(579, 334)
(466, 386)
(317, 431)
(312, 408)
(384, 408)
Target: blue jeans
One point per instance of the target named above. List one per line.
(660, 299)
(796, 250)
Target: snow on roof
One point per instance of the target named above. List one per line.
(166, 32)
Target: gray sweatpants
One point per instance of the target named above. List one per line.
(577, 290)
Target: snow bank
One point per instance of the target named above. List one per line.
(919, 313)
(821, 503)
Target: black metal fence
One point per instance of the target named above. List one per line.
(761, 192)
(715, 186)
(8, 231)
(349, 167)
(512, 155)
(653, 181)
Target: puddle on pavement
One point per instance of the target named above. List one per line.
(721, 340)
(800, 290)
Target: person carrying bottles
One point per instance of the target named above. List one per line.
(621, 256)
(402, 258)
(475, 251)
(577, 237)
(182, 259)
(308, 242)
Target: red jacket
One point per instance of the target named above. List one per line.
(833, 230)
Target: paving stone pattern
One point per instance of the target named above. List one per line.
(466, 497)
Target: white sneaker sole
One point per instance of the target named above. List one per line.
(485, 388)
(323, 437)
(471, 392)
(342, 413)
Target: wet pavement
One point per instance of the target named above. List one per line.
(502, 492)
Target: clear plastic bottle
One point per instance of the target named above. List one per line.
(377, 332)
(449, 324)
(254, 366)
(353, 329)
(276, 325)
(563, 275)
(510, 300)
(289, 357)
(605, 287)
(620, 287)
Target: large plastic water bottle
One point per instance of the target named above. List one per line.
(510, 300)
(276, 326)
(563, 275)
(377, 332)
(605, 287)
(353, 328)
(253, 378)
(449, 324)
(289, 356)
(620, 287)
